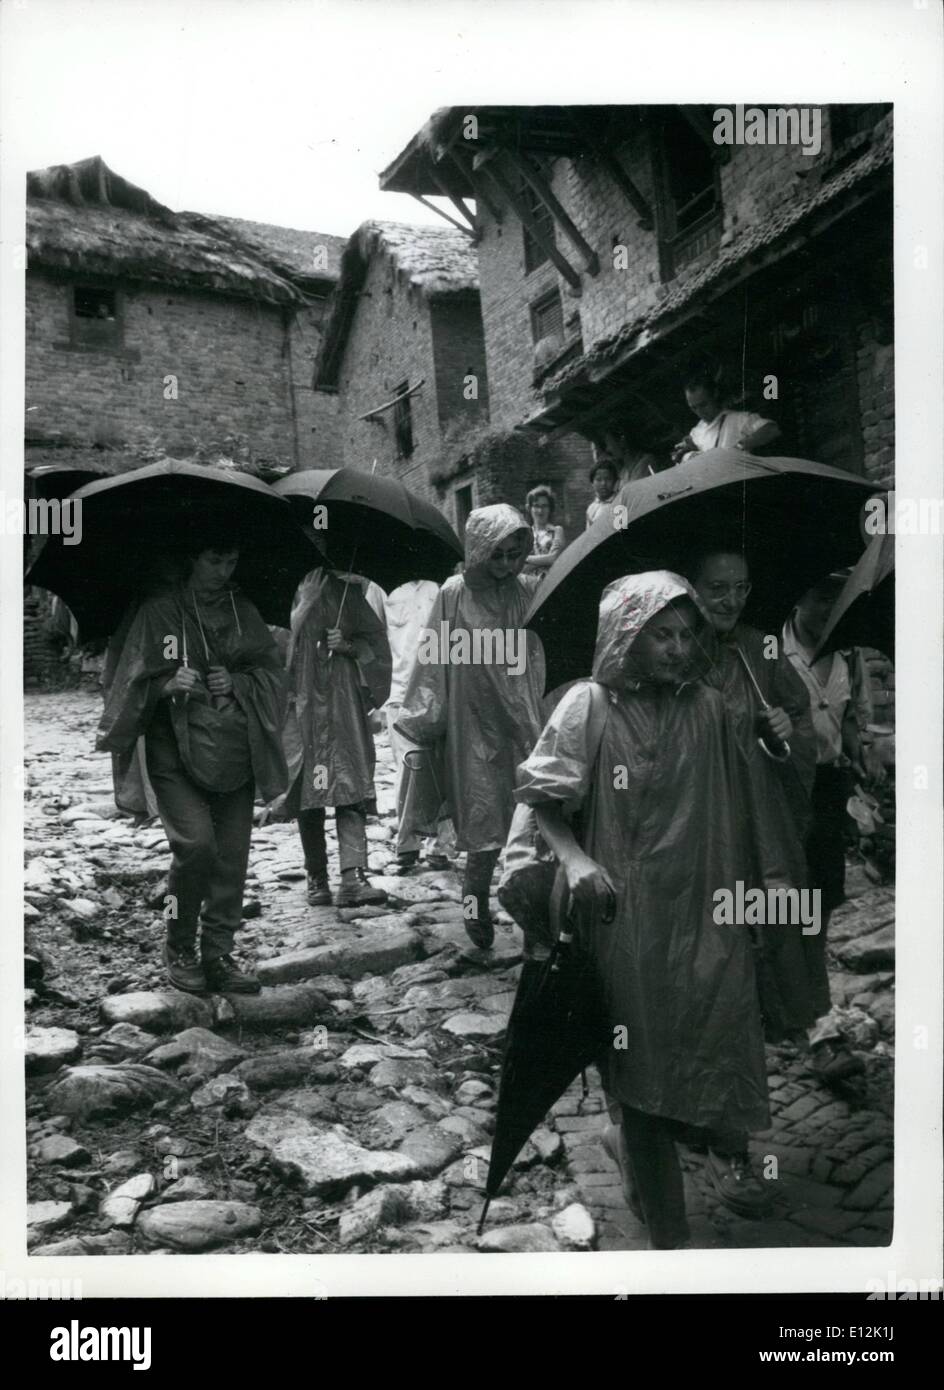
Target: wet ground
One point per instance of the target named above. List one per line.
(350, 1106)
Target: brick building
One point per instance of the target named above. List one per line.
(403, 358)
(150, 332)
(616, 242)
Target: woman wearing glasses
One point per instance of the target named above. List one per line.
(770, 709)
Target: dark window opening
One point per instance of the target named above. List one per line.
(96, 317)
(403, 421)
(845, 121)
(690, 194)
(95, 304)
(547, 317)
(534, 252)
(463, 508)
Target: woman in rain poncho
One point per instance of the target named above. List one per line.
(199, 676)
(779, 812)
(339, 668)
(663, 830)
(488, 712)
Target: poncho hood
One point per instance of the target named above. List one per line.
(486, 528)
(625, 608)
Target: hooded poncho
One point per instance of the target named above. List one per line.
(662, 812)
(328, 743)
(488, 716)
(239, 640)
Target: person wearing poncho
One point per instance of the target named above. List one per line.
(662, 830)
(196, 649)
(487, 715)
(779, 813)
(339, 669)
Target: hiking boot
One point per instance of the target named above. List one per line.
(438, 862)
(184, 970)
(358, 891)
(319, 893)
(224, 976)
(407, 861)
(614, 1146)
(736, 1185)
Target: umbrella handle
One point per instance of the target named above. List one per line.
(481, 1225)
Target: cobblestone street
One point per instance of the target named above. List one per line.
(349, 1106)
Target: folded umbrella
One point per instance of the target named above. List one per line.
(374, 525)
(556, 1029)
(792, 519)
(864, 612)
(132, 524)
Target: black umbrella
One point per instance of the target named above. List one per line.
(374, 525)
(864, 613)
(131, 522)
(792, 520)
(556, 1029)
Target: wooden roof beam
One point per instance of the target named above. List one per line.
(591, 261)
(547, 243)
(443, 213)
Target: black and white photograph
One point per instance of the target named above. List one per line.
(455, 745)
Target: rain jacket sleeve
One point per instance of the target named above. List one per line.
(560, 767)
(374, 659)
(423, 715)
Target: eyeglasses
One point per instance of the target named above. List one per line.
(720, 590)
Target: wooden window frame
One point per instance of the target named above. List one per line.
(679, 248)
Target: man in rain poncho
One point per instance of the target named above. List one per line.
(339, 669)
(662, 830)
(477, 686)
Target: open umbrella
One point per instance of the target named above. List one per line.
(381, 529)
(864, 613)
(791, 518)
(556, 1029)
(130, 522)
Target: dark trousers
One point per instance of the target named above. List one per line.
(351, 822)
(209, 835)
(657, 1176)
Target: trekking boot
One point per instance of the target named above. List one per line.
(358, 891)
(736, 1185)
(183, 967)
(832, 1061)
(479, 929)
(407, 861)
(224, 976)
(438, 862)
(319, 893)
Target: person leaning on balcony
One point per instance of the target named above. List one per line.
(719, 427)
(631, 462)
(547, 540)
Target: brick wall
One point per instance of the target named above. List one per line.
(235, 363)
(512, 464)
(398, 335)
(875, 363)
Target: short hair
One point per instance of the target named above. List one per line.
(700, 372)
(696, 559)
(535, 495)
(607, 464)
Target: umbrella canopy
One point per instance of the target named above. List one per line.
(375, 526)
(864, 613)
(792, 519)
(132, 522)
(556, 1029)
